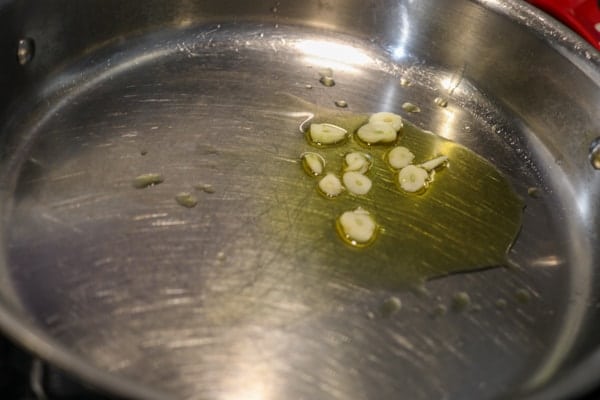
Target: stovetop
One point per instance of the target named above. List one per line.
(24, 377)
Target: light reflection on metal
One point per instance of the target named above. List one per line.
(547, 262)
(400, 50)
(333, 55)
(447, 128)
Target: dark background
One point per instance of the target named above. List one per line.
(17, 382)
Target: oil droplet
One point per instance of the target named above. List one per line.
(501, 303)
(308, 86)
(440, 310)
(327, 81)
(341, 103)
(410, 107)
(145, 180)
(460, 301)
(220, 256)
(441, 102)
(186, 199)
(404, 82)
(390, 306)
(205, 187)
(522, 296)
(274, 9)
(533, 192)
(595, 153)
(370, 315)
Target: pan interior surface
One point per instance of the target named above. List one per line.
(229, 299)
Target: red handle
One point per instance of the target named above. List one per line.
(583, 16)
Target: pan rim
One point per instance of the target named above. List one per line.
(576, 381)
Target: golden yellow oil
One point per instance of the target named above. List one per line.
(466, 219)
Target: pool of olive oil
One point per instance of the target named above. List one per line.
(467, 219)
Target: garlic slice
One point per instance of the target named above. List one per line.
(357, 161)
(412, 178)
(331, 186)
(399, 157)
(377, 132)
(388, 118)
(327, 134)
(357, 183)
(313, 163)
(434, 163)
(357, 227)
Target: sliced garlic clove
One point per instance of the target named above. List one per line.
(413, 179)
(327, 134)
(388, 118)
(357, 183)
(357, 227)
(434, 163)
(331, 186)
(313, 163)
(357, 161)
(399, 157)
(377, 132)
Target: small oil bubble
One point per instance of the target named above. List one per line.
(327, 81)
(404, 82)
(533, 192)
(440, 310)
(308, 86)
(205, 187)
(370, 315)
(410, 107)
(221, 256)
(501, 303)
(146, 180)
(186, 199)
(341, 103)
(461, 301)
(390, 306)
(441, 102)
(467, 128)
(523, 296)
(274, 9)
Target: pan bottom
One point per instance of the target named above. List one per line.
(214, 302)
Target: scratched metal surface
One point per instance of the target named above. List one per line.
(231, 299)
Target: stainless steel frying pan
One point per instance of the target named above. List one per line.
(146, 299)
